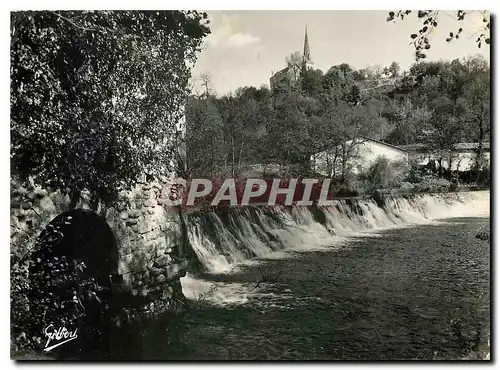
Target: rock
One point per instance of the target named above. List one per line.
(131, 221)
(154, 295)
(134, 228)
(119, 206)
(151, 203)
(144, 228)
(144, 292)
(27, 205)
(160, 279)
(47, 205)
(162, 261)
(161, 249)
(153, 236)
(124, 215)
(31, 195)
(155, 271)
(40, 193)
(176, 271)
(483, 235)
(126, 248)
(15, 202)
(166, 294)
(151, 211)
(134, 213)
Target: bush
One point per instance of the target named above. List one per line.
(19, 307)
(384, 174)
(484, 176)
(432, 184)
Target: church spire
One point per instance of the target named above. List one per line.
(307, 52)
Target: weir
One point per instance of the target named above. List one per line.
(227, 237)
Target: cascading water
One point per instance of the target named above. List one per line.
(358, 292)
(222, 241)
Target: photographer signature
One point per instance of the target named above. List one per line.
(60, 334)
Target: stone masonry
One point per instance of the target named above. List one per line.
(148, 236)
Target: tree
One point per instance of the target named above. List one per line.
(447, 130)
(312, 82)
(289, 130)
(206, 84)
(351, 126)
(430, 19)
(97, 96)
(205, 148)
(476, 113)
(359, 75)
(295, 62)
(339, 82)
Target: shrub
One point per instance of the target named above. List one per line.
(384, 174)
(432, 184)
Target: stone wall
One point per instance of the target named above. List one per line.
(149, 237)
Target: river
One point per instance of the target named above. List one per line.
(409, 282)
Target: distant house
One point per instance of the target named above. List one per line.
(463, 156)
(286, 74)
(364, 153)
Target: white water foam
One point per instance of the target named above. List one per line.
(244, 236)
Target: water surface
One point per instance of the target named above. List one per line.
(411, 293)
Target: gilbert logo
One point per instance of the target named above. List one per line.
(61, 335)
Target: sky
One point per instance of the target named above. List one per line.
(245, 47)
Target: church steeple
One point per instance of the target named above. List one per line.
(307, 52)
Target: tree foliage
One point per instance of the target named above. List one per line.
(430, 21)
(97, 96)
(437, 104)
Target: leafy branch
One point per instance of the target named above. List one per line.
(430, 21)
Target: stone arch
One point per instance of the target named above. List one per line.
(70, 280)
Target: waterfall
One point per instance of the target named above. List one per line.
(228, 237)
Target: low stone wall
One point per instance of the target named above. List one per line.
(149, 238)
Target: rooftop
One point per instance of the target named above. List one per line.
(458, 146)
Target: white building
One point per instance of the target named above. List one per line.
(363, 152)
(463, 156)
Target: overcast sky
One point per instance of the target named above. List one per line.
(245, 46)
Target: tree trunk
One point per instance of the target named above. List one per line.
(479, 153)
(239, 157)
(480, 145)
(232, 155)
(74, 198)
